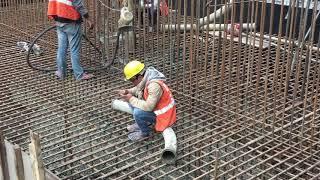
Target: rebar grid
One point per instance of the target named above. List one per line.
(241, 112)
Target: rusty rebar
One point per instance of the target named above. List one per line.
(243, 111)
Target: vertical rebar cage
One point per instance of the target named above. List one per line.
(245, 75)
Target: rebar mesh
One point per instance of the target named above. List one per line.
(242, 113)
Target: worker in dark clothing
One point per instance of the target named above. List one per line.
(152, 9)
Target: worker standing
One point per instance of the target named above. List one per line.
(68, 15)
(150, 99)
(152, 6)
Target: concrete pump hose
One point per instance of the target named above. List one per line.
(169, 154)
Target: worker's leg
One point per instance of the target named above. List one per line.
(133, 127)
(62, 52)
(153, 18)
(74, 36)
(143, 119)
(152, 15)
(140, 10)
(141, 18)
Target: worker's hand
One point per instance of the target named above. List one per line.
(122, 92)
(126, 97)
(90, 24)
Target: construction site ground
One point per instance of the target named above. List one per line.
(240, 113)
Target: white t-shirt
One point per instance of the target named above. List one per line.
(148, 4)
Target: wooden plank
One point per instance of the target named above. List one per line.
(3, 157)
(28, 175)
(51, 176)
(19, 163)
(10, 160)
(35, 154)
(26, 165)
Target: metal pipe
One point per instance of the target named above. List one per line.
(209, 27)
(221, 27)
(202, 21)
(215, 15)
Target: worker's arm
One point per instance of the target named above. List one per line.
(155, 93)
(78, 5)
(133, 90)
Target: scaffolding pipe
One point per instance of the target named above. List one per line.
(202, 21)
(215, 15)
(210, 27)
(220, 27)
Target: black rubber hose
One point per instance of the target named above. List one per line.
(31, 46)
(105, 65)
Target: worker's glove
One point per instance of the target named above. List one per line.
(126, 97)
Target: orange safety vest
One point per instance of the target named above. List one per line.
(165, 110)
(164, 9)
(62, 9)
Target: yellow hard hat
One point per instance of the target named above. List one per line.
(132, 68)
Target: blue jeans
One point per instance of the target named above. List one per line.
(69, 34)
(143, 119)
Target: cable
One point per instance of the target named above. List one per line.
(106, 65)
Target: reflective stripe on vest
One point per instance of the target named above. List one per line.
(166, 108)
(67, 2)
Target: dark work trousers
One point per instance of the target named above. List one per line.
(152, 17)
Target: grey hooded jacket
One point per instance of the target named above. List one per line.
(154, 90)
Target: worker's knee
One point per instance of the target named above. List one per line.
(138, 113)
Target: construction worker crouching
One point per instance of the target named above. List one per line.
(150, 99)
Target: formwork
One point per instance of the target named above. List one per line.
(244, 109)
